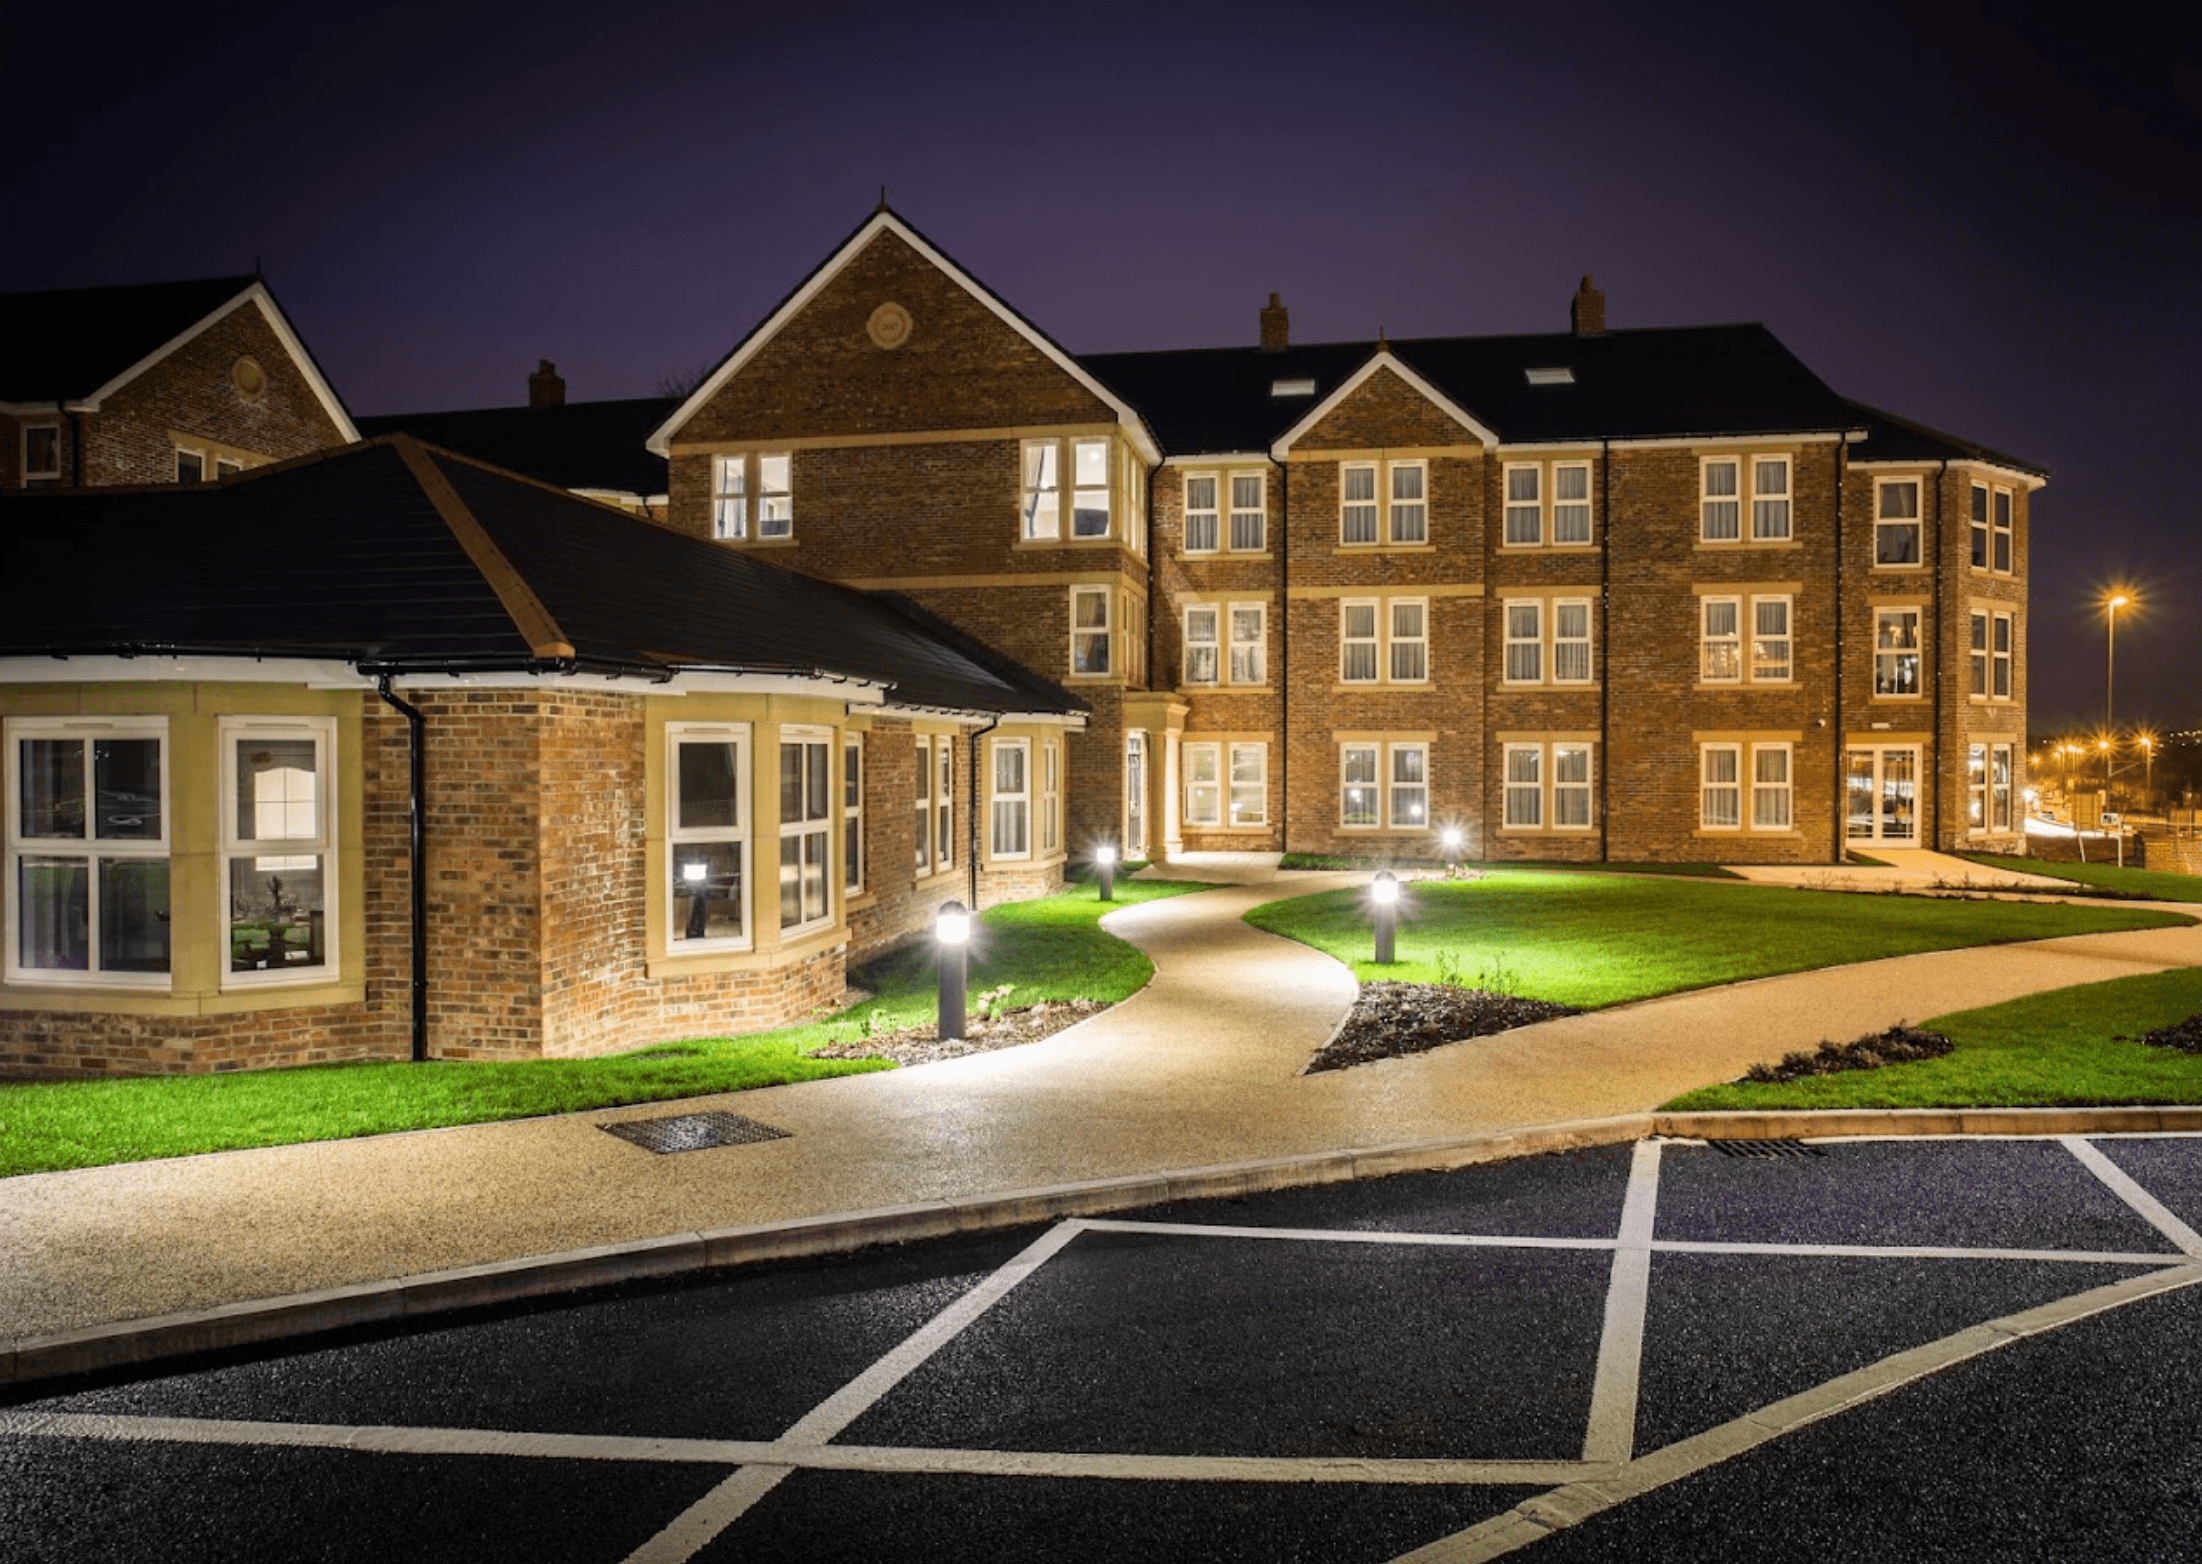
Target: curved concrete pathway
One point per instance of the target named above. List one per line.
(1201, 1068)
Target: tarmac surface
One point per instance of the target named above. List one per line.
(1974, 1349)
(1191, 1086)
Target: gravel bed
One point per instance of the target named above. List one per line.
(1392, 1019)
(1010, 1029)
(1900, 1044)
(2186, 1036)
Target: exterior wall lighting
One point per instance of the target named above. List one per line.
(1104, 861)
(952, 928)
(1385, 894)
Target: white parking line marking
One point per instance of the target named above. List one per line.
(1611, 1434)
(730, 1500)
(1344, 1235)
(1575, 1502)
(2122, 1185)
(1902, 1252)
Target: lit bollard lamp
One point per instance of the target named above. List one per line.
(1104, 863)
(1451, 839)
(952, 930)
(1385, 893)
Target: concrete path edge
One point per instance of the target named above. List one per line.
(261, 1321)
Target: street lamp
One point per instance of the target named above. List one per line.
(1104, 862)
(2111, 605)
(2147, 741)
(1385, 893)
(952, 928)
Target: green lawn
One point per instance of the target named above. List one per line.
(2140, 884)
(1699, 871)
(1595, 940)
(2070, 1047)
(1049, 949)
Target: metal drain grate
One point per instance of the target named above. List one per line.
(692, 1132)
(1765, 1148)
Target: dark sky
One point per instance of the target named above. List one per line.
(1984, 216)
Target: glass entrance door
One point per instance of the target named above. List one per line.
(1135, 795)
(1881, 794)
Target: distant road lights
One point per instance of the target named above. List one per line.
(1385, 894)
(952, 929)
(2147, 742)
(1104, 862)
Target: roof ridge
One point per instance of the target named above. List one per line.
(529, 615)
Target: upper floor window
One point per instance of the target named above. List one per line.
(88, 849)
(1092, 649)
(1402, 516)
(1249, 513)
(1205, 496)
(1571, 641)
(1249, 643)
(1993, 637)
(1044, 467)
(766, 479)
(1896, 651)
(1769, 499)
(2003, 559)
(1547, 501)
(1721, 658)
(190, 466)
(1526, 623)
(1720, 499)
(1202, 643)
(1896, 522)
(41, 453)
(1980, 526)
(1202, 528)
(1524, 642)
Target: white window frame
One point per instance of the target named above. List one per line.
(2003, 526)
(1773, 799)
(1976, 655)
(922, 804)
(90, 847)
(1522, 802)
(736, 835)
(2002, 654)
(1051, 797)
(1729, 530)
(1373, 642)
(196, 455)
(1407, 517)
(1203, 794)
(1720, 795)
(1522, 514)
(1977, 527)
(1208, 518)
(1371, 757)
(1716, 648)
(1201, 640)
(1350, 519)
(1777, 522)
(1247, 663)
(1565, 787)
(1895, 655)
(2002, 786)
(1589, 675)
(853, 852)
(1532, 644)
(944, 801)
(1915, 523)
(775, 495)
(1395, 640)
(1761, 666)
(807, 829)
(1588, 504)
(1976, 788)
(1258, 753)
(1255, 539)
(1103, 634)
(25, 472)
(1082, 492)
(321, 844)
(1009, 807)
(1397, 788)
(1040, 522)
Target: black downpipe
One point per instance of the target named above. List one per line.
(1842, 746)
(76, 446)
(1284, 652)
(1605, 652)
(973, 790)
(1941, 664)
(417, 857)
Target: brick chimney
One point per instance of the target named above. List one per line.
(1588, 312)
(1276, 327)
(546, 387)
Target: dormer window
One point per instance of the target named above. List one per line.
(1559, 376)
(1291, 388)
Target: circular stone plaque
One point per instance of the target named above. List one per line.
(249, 378)
(889, 326)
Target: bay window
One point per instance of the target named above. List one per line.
(1011, 801)
(275, 848)
(852, 814)
(806, 827)
(707, 835)
(88, 850)
(1091, 637)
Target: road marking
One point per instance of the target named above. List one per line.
(2121, 1183)
(1574, 1502)
(1611, 1432)
(695, 1526)
(1353, 1235)
(1901, 1252)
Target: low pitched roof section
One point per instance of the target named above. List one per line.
(399, 557)
(600, 447)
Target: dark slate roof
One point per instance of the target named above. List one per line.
(346, 556)
(66, 344)
(1670, 382)
(576, 445)
(1893, 439)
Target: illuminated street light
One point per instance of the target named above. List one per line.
(1104, 861)
(1385, 894)
(2111, 604)
(952, 928)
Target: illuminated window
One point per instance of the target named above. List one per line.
(1249, 513)
(1089, 515)
(1202, 643)
(1720, 512)
(88, 849)
(1043, 495)
(1203, 789)
(1010, 803)
(1249, 643)
(806, 836)
(1720, 640)
(1201, 513)
(852, 814)
(1091, 639)
(1770, 640)
(707, 835)
(276, 846)
(769, 479)
(1249, 784)
(1896, 651)
(1896, 522)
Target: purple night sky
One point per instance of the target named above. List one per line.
(1984, 216)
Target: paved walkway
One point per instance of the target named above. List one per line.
(1200, 1068)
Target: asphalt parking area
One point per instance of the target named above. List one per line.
(1919, 1349)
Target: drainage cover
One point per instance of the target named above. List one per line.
(1765, 1148)
(692, 1131)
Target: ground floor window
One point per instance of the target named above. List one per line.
(852, 814)
(806, 827)
(88, 850)
(1988, 787)
(1051, 796)
(1721, 797)
(1384, 785)
(707, 835)
(1249, 784)
(276, 848)
(1547, 786)
(1011, 804)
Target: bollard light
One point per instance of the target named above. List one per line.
(692, 872)
(1104, 860)
(1385, 893)
(1451, 838)
(952, 929)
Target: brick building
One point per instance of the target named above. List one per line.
(172, 382)
(1645, 594)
